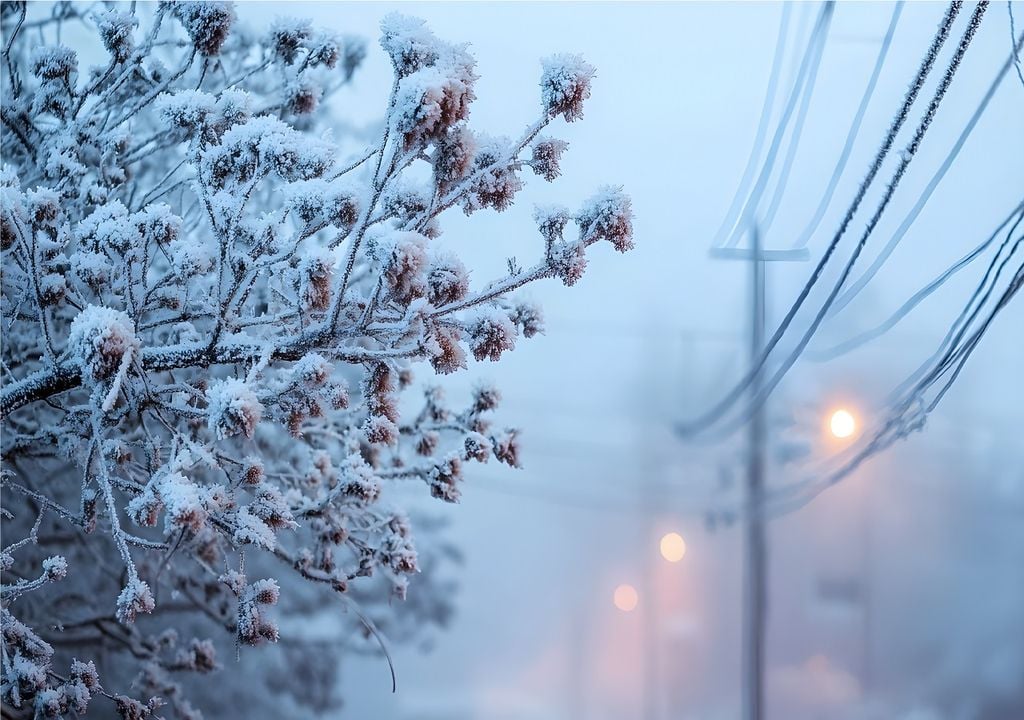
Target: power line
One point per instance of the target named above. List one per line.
(965, 351)
(909, 410)
(855, 289)
(811, 58)
(718, 410)
(851, 136)
(905, 309)
(782, 183)
(1016, 48)
(762, 127)
(907, 156)
(959, 326)
(956, 348)
(907, 418)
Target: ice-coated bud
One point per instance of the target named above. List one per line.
(565, 85)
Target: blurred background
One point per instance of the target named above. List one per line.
(898, 593)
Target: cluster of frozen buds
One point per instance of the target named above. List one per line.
(254, 626)
(28, 678)
(222, 311)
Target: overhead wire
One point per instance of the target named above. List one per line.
(1016, 47)
(958, 327)
(907, 417)
(868, 335)
(762, 127)
(729, 399)
(907, 408)
(857, 286)
(811, 60)
(851, 136)
(765, 221)
(965, 351)
(906, 158)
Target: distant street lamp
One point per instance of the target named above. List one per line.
(842, 424)
(625, 598)
(673, 547)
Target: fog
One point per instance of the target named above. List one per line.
(897, 593)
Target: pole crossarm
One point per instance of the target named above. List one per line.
(735, 253)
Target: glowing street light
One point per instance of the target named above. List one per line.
(842, 424)
(673, 547)
(625, 598)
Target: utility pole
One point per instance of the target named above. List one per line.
(651, 626)
(653, 492)
(755, 559)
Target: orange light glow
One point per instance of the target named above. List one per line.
(673, 547)
(842, 424)
(625, 598)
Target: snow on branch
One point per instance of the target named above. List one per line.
(213, 309)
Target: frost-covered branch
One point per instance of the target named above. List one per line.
(212, 311)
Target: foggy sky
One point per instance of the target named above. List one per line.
(932, 529)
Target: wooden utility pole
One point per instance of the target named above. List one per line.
(755, 575)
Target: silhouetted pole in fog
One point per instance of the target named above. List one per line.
(755, 575)
(755, 596)
(651, 632)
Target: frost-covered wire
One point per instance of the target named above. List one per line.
(906, 157)
(905, 416)
(858, 285)
(1015, 48)
(905, 309)
(968, 314)
(737, 391)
